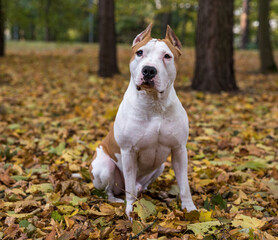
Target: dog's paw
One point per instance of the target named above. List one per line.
(112, 198)
(128, 211)
(189, 206)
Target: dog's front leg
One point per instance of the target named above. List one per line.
(180, 163)
(129, 171)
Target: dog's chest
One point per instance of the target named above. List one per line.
(154, 144)
(152, 140)
(155, 133)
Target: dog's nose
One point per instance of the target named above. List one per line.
(149, 72)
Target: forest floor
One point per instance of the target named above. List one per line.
(54, 111)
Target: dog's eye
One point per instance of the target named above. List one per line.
(139, 53)
(167, 56)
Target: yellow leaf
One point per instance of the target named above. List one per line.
(247, 222)
(234, 209)
(66, 209)
(43, 187)
(242, 195)
(238, 201)
(111, 113)
(95, 234)
(69, 222)
(209, 131)
(93, 146)
(97, 213)
(137, 227)
(204, 139)
(18, 191)
(205, 182)
(23, 215)
(74, 167)
(205, 216)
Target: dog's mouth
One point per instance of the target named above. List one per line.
(146, 85)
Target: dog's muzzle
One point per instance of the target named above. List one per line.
(148, 73)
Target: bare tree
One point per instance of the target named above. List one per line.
(214, 66)
(107, 39)
(244, 24)
(266, 56)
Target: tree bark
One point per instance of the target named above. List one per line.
(2, 28)
(47, 20)
(214, 66)
(266, 56)
(107, 39)
(91, 22)
(244, 24)
(166, 20)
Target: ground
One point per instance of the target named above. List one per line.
(54, 111)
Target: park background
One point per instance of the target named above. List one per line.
(59, 95)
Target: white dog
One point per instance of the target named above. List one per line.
(150, 124)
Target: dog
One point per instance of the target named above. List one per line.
(150, 124)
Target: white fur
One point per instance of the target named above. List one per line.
(153, 55)
(149, 126)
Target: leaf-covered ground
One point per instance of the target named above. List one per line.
(54, 111)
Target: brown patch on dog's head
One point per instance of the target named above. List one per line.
(173, 43)
(171, 40)
(141, 39)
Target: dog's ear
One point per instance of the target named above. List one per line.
(143, 35)
(170, 35)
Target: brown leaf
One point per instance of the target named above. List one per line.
(51, 235)
(193, 215)
(275, 172)
(11, 231)
(164, 230)
(5, 178)
(72, 186)
(67, 235)
(123, 225)
(25, 205)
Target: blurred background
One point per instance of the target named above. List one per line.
(77, 20)
(64, 68)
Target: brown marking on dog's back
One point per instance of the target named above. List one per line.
(110, 146)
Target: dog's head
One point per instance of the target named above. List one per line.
(153, 64)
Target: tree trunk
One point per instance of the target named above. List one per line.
(107, 39)
(2, 28)
(244, 24)
(166, 20)
(91, 22)
(47, 21)
(214, 66)
(266, 56)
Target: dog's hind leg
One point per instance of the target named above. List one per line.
(106, 175)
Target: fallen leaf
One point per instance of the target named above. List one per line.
(144, 209)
